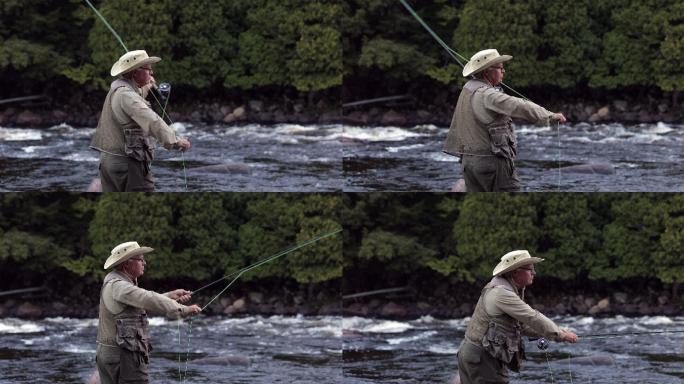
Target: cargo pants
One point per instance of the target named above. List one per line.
(477, 366)
(489, 174)
(119, 366)
(124, 174)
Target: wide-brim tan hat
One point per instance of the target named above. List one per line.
(514, 260)
(125, 251)
(132, 60)
(483, 60)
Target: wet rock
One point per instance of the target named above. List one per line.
(298, 300)
(620, 297)
(589, 302)
(356, 309)
(225, 302)
(392, 117)
(560, 308)
(646, 117)
(589, 110)
(604, 304)
(196, 117)
(240, 112)
(662, 300)
(466, 309)
(356, 118)
(256, 105)
(594, 310)
(662, 107)
(620, 105)
(256, 297)
(225, 110)
(59, 116)
(29, 119)
(392, 309)
(330, 309)
(229, 118)
(581, 308)
(298, 108)
(645, 309)
(329, 117)
(28, 310)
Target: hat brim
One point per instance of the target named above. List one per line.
(516, 265)
(113, 261)
(470, 71)
(117, 70)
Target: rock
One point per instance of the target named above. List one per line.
(392, 309)
(225, 302)
(196, 117)
(28, 310)
(356, 118)
(604, 113)
(459, 186)
(331, 309)
(589, 110)
(28, 118)
(298, 107)
(604, 304)
(298, 299)
(59, 115)
(225, 110)
(239, 304)
(466, 309)
(620, 297)
(229, 118)
(662, 107)
(329, 117)
(589, 302)
(662, 300)
(256, 297)
(239, 112)
(256, 105)
(594, 310)
(620, 105)
(356, 309)
(645, 309)
(392, 117)
(560, 308)
(581, 308)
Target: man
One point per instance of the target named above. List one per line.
(481, 133)
(123, 343)
(127, 126)
(493, 341)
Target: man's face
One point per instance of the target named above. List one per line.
(524, 276)
(135, 266)
(143, 75)
(495, 74)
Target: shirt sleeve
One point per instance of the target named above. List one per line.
(535, 323)
(156, 303)
(151, 123)
(504, 104)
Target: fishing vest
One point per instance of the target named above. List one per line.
(469, 135)
(500, 336)
(128, 329)
(121, 138)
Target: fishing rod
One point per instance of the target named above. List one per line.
(455, 55)
(543, 343)
(163, 90)
(267, 259)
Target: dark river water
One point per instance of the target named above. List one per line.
(279, 350)
(424, 351)
(647, 157)
(290, 157)
(284, 157)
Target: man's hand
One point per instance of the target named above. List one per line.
(568, 336)
(180, 295)
(183, 144)
(559, 117)
(194, 309)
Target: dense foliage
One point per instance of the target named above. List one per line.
(603, 237)
(309, 45)
(196, 237)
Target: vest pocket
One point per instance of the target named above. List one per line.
(137, 146)
(132, 335)
(503, 141)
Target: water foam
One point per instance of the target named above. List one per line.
(420, 336)
(12, 325)
(20, 134)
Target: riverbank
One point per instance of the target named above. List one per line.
(403, 112)
(446, 301)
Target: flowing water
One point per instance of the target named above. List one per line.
(290, 157)
(284, 157)
(424, 351)
(646, 157)
(278, 349)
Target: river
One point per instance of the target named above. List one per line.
(424, 351)
(254, 158)
(291, 157)
(645, 157)
(278, 349)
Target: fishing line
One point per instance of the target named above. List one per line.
(237, 275)
(559, 154)
(185, 176)
(453, 54)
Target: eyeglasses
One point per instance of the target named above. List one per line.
(501, 68)
(142, 259)
(528, 269)
(146, 68)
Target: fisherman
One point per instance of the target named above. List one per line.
(127, 126)
(123, 341)
(493, 342)
(481, 131)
